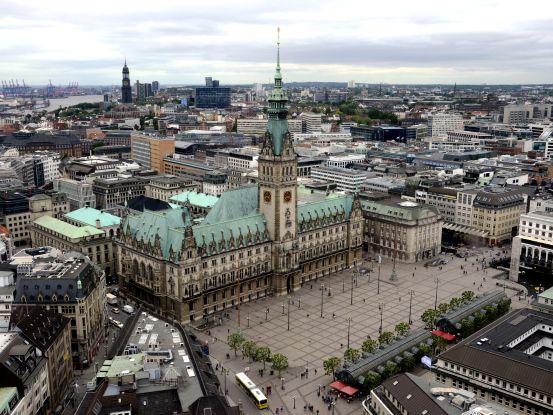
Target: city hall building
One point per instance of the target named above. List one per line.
(257, 240)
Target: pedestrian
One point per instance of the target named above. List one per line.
(413, 275)
(315, 370)
(277, 411)
(333, 315)
(341, 345)
(317, 412)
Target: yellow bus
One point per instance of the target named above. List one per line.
(253, 391)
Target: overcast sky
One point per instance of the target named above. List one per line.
(182, 41)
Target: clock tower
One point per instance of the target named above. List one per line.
(278, 188)
(126, 91)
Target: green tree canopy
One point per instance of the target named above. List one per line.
(385, 337)
(428, 317)
(249, 348)
(402, 329)
(352, 355)
(371, 380)
(331, 364)
(369, 346)
(467, 295)
(279, 362)
(443, 308)
(235, 341)
(263, 354)
(390, 369)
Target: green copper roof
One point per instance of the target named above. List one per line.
(220, 236)
(547, 294)
(167, 225)
(66, 229)
(403, 210)
(277, 125)
(333, 205)
(89, 216)
(130, 364)
(195, 199)
(234, 204)
(6, 395)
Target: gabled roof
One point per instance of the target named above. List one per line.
(168, 225)
(234, 204)
(331, 205)
(66, 229)
(89, 216)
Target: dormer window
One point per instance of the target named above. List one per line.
(66, 298)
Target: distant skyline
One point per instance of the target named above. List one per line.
(176, 42)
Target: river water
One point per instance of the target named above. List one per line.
(55, 103)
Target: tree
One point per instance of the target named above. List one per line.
(235, 341)
(263, 354)
(428, 317)
(351, 355)
(371, 381)
(443, 308)
(369, 346)
(407, 363)
(98, 143)
(467, 327)
(279, 362)
(385, 337)
(467, 296)
(439, 343)
(424, 349)
(455, 302)
(248, 349)
(390, 369)
(402, 329)
(331, 364)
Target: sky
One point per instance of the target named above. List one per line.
(370, 41)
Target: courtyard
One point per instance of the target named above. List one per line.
(299, 332)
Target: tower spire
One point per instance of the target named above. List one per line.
(278, 48)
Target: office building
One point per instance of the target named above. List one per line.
(164, 186)
(311, 122)
(212, 95)
(257, 240)
(347, 180)
(69, 284)
(29, 142)
(440, 124)
(379, 133)
(258, 126)
(50, 332)
(23, 366)
(117, 190)
(525, 113)
(7, 290)
(79, 194)
(532, 248)
(404, 231)
(150, 150)
(505, 363)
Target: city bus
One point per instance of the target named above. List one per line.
(253, 391)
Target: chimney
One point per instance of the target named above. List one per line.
(98, 224)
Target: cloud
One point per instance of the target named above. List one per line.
(181, 42)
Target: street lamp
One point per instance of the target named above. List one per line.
(349, 325)
(248, 318)
(299, 301)
(225, 371)
(266, 314)
(322, 298)
(379, 265)
(343, 284)
(294, 398)
(288, 313)
(282, 307)
(351, 297)
(436, 296)
(282, 385)
(381, 309)
(411, 292)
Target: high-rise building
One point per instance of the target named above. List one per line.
(212, 95)
(442, 123)
(311, 122)
(126, 92)
(143, 91)
(149, 150)
(155, 87)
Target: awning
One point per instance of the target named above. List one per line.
(342, 387)
(466, 229)
(338, 385)
(444, 335)
(350, 390)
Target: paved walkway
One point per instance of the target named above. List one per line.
(313, 338)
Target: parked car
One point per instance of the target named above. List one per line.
(115, 310)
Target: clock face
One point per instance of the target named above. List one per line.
(126, 83)
(287, 196)
(267, 197)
